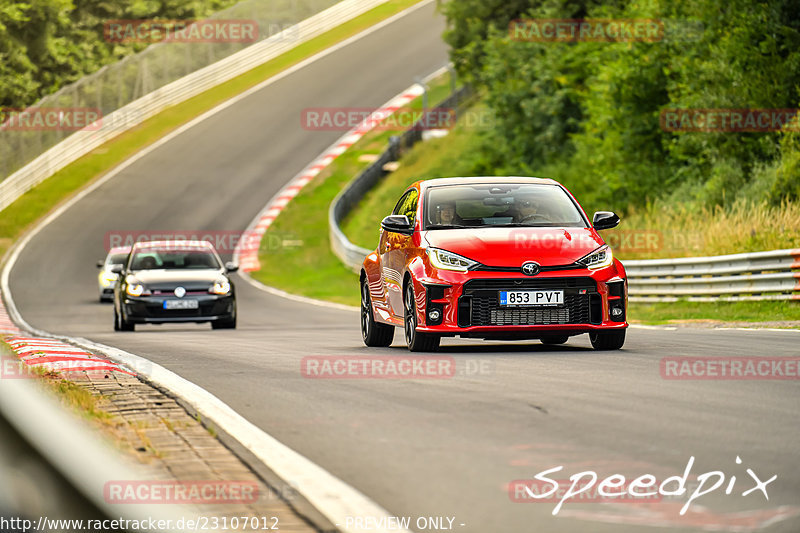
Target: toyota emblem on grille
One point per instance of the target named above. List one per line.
(530, 268)
(179, 292)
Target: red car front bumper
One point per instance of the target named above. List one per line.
(468, 303)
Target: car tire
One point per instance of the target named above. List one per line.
(374, 333)
(124, 325)
(607, 340)
(417, 342)
(552, 340)
(228, 323)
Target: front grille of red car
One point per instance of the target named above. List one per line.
(479, 304)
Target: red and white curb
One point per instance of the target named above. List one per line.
(56, 356)
(50, 355)
(248, 257)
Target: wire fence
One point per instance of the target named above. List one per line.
(135, 76)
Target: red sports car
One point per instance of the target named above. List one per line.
(493, 258)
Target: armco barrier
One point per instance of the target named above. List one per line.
(350, 254)
(53, 467)
(82, 142)
(772, 275)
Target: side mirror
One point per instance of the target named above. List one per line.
(605, 220)
(100, 263)
(117, 269)
(230, 266)
(397, 224)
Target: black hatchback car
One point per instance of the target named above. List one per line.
(174, 281)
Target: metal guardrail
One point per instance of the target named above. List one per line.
(773, 275)
(82, 142)
(54, 469)
(350, 254)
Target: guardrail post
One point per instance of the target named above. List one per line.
(422, 84)
(453, 77)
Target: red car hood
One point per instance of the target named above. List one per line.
(514, 246)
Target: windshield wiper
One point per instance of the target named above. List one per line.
(507, 225)
(448, 226)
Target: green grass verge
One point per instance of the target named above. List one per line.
(311, 269)
(34, 204)
(682, 311)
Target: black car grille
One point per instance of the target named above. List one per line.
(156, 311)
(479, 304)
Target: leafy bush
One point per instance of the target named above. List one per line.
(588, 113)
(46, 44)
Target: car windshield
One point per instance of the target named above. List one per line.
(500, 204)
(167, 259)
(116, 259)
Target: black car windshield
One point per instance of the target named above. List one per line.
(172, 258)
(116, 259)
(500, 205)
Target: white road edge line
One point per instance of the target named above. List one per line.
(328, 494)
(791, 330)
(645, 326)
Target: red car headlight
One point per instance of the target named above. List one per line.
(445, 260)
(600, 258)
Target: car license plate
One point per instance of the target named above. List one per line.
(531, 298)
(180, 304)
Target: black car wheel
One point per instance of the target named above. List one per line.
(552, 340)
(123, 324)
(607, 340)
(225, 323)
(374, 333)
(417, 342)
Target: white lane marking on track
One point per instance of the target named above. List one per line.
(331, 496)
(660, 328)
(791, 330)
(673, 328)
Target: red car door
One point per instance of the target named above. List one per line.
(392, 248)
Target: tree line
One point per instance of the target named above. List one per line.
(590, 111)
(46, 44)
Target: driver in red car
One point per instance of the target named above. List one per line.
(527, 210)
(447, 214)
